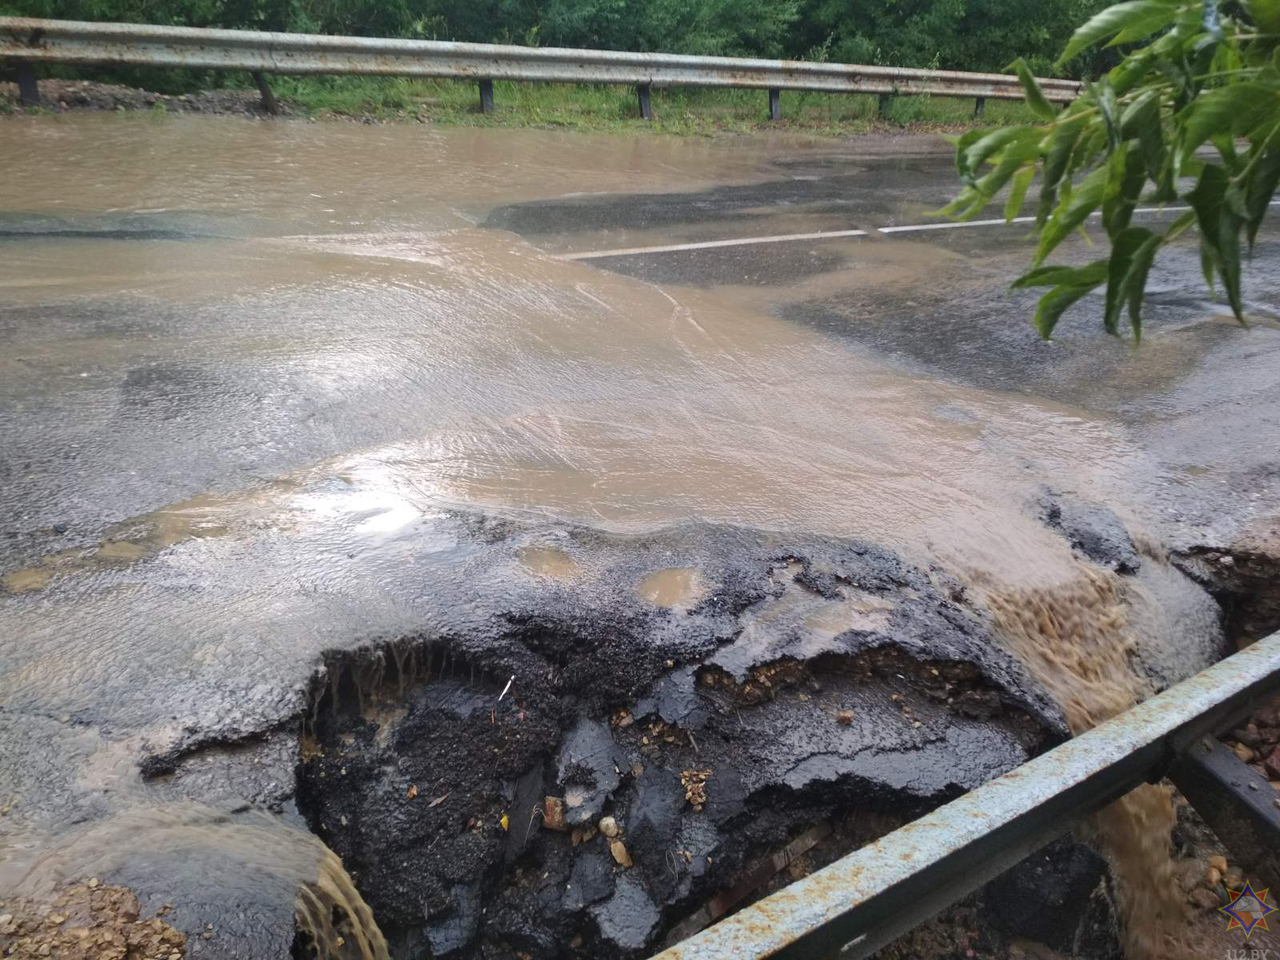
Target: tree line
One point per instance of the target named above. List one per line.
(948, 34)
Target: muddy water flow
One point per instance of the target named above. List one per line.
(250, 369)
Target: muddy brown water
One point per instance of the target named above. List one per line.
(224, 333)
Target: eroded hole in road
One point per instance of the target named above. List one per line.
(479, 814)
(676, 588)
(548, 562)
(1246, 584)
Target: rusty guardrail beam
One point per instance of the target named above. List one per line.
(866, 899)
(28, 41)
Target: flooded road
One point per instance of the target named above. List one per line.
(272, 391)
(289, 312)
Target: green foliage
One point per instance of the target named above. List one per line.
(951, 34)
(710, 27)
(1204, 78)
(714, 27)
(679, 111)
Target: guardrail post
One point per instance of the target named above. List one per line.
(28, 87)
(882, 104)
(775, 104)
(1237, 803)
(486, 96)
(646, 106)
(269, 103)
(979, 106)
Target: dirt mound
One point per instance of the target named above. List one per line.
(64, 95)
(86, 921)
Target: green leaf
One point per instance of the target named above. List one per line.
(1057, 153)
(1125, 178)
(1018, 192)
(968, 139)
(1179, 226)
(1071, 212)
(1138, 287)
(1132, 20)
(1040, 106)
(1262, 187)
(1105, 97)
(1131, 254)
(968, 204)
(1230, 111)
(976, 153)
(1092, 142)
(973, 199)
(1234, 198)
(1126, 75)
(1207, 264)
(1219, 230)
(1141, 121)
(1265, 13)
(1051, 306)
(1090, 275)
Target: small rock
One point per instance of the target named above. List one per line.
(799, 868)
(1248, 736)
(1212, 877)
(619, 851)
(1244, 753)
(553, 814)
(93, 882)
(609, 827)
(1218, 863)
(844, 717)
(1272, 765)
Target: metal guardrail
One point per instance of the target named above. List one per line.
(863, 901)
(28, 41)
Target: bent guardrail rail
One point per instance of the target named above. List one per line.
(28, 41)
(871, 896)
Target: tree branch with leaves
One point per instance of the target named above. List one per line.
(1191, 118)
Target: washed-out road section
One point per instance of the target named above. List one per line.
(343, 497)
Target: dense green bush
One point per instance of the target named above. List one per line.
(950, 34)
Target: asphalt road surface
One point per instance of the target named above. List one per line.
(292, 410)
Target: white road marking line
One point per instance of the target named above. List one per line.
(830, 235)
(710, 244)
(1001, 221)
(952, 224)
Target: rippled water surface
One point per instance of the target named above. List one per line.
(210, 308)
